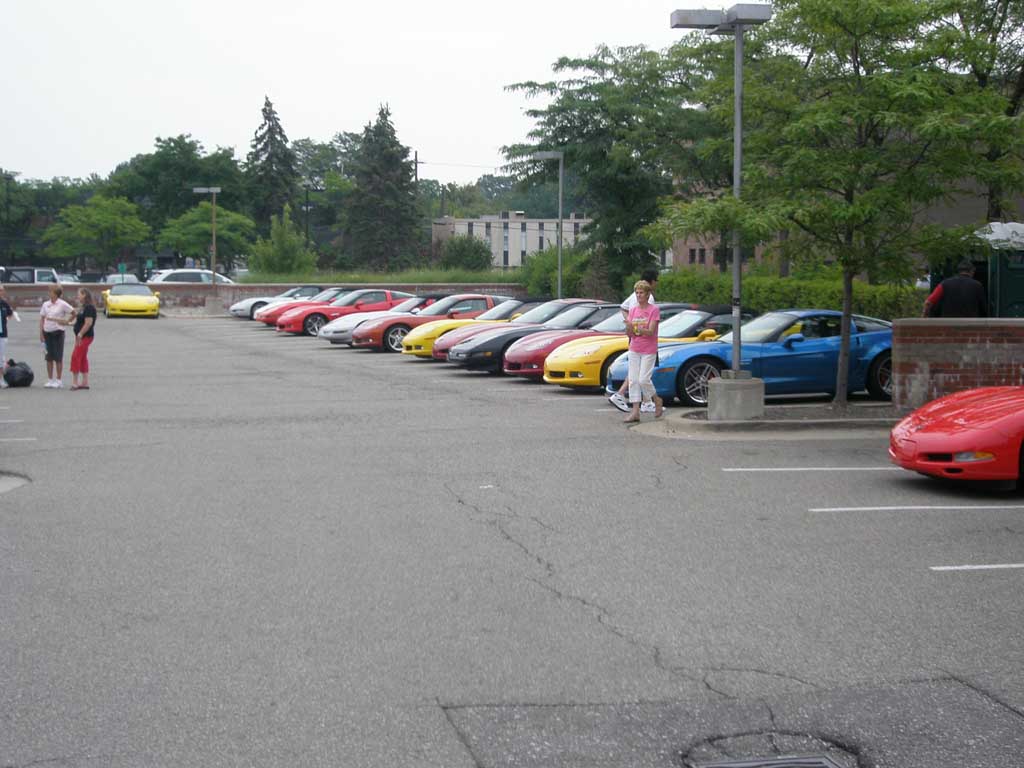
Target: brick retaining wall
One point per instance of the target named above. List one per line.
(933, 357)
(191, 299)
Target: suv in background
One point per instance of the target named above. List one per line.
(186, 276)
(28, 275)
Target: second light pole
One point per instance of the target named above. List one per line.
(558, 155)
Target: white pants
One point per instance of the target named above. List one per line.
(640, 369)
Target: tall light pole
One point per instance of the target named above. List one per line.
(560, 157)
(213, 231)
(730, 22)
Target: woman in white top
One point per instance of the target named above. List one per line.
(53, 316)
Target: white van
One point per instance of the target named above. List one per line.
(28, 275)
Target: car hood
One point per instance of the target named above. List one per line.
(986, 408)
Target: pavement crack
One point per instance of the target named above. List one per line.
(460, 735)
(765, 672)
(986, 694)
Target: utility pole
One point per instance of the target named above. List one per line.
(213, 231)
(416, 166)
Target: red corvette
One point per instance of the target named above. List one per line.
(971, 435)
(536, 316)
(386, 333)
(270, 313)
(310, 318)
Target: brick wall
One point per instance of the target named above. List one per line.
(933, 357)
(188, 299)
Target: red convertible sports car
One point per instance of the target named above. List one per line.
(270, 313)
(971, 435)
(386, 333)
(310, 318)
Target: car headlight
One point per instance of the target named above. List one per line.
(967, 456)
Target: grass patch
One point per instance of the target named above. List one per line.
(510, 277)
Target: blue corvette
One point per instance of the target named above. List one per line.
(795, 351)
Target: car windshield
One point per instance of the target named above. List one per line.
(679, 325)
(409, 304)
(612, 324)
(348, 299)
(330, 294)
(571, 318)
(441, 307)
(130, 289)
(501, 311)
(290, 292)
(763, 328)
(543, 313)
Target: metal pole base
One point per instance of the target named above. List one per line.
(735, 398)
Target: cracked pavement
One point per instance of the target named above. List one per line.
(286, 553)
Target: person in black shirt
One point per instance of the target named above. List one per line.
(85, 329)
(5, 312)
(960, 296)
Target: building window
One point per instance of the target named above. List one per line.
(693, 255)
(575, 230)
(504, 258)
(540, 237)
(522, 243)
(487, 231)
(504, 239)
(702, 254)
(469, 229)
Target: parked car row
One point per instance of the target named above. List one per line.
(582, 342)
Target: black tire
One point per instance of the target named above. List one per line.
(692, 381)
(606, 366)
(393, 337)
(880, 377)
(256, 308)
(312, 324)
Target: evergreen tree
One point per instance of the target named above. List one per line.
(382, 214)
(270, 168)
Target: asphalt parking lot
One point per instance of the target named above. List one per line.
(243, 549)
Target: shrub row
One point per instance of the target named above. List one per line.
(764, 294)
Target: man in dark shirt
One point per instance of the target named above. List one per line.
(960, 296)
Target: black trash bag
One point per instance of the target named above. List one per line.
(19, 375)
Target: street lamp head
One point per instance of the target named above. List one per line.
(205, 190)
(548, 155)
(722, 22)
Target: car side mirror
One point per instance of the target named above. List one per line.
(516, 316)
(359, 305)
(415, 310)
(796, 338)
(453, 313)
(157, 294)
(708, 334)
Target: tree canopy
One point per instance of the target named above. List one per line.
(99, 230)
(270, 168)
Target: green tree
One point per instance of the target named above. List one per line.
(465, 252)
(631, 134)
(382, 212)
(284, 252)
(270, 168)
(100, 230)
(852, 134)
(191, 234)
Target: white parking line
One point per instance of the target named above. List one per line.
(996, 567)
(921, 508)
(811, 469)
(17, 439)
(11, 421)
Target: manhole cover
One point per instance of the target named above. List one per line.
(786, 750)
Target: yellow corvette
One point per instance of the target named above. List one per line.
(131, 299)
(585, 362)
(420, 340)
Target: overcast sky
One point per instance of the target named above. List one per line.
(90, 83)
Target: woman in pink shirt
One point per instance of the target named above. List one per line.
(642, 329)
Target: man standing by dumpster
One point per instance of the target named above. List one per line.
(960, 296)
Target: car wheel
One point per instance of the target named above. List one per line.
(313, 324)
(880, 377)
(393, 338)
(256, 308)
(606, 366)
(693, 378)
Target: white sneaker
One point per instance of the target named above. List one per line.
(48, 384)
(57, 384)
(3, 383)
(619, 402)
(647, 407)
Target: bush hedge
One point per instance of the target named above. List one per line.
(764, 294)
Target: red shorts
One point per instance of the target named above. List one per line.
(80, 356)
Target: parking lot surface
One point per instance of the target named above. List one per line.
(242, 548)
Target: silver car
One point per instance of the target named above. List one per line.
(246, 308)
(339, 331)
